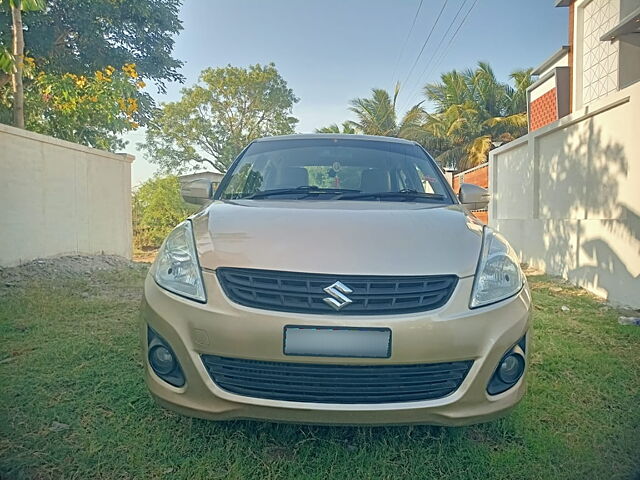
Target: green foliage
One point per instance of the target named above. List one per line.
(90, 110)
(7, 60)
(377, 116)
(12, 62)
(347, 128)
(473, 110)
(522, 79)
(82, 36)
(219, 116)
(27, 5)
(157, 208)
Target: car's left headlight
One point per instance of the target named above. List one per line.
(177, 267)
(498, 275)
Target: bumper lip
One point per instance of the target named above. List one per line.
(431, 418)
(175, 319)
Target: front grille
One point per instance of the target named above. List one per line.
(304, 382)
(303, 292)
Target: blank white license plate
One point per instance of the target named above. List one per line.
(337, 341)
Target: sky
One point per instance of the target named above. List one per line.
(331, 51)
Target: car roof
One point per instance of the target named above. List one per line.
(342, 136)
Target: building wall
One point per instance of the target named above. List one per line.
(455, 183)
(543, 110)
(477, 175)
(542, 88)
(567, 196)
(58, 197)
(548, 99)
(596, 61)
(563, 61)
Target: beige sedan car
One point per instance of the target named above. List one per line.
(336, 279)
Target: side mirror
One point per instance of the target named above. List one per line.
(473, 196)
(198, 191)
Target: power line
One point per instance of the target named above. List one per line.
(433, 27)
(435, 51)
(446, 49)
(406, 40)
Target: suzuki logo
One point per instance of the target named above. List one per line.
(338, 298)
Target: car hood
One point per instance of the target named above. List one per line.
(339, 237)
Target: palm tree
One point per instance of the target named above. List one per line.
(14, 62)
(377, 116)
(522, 79)
(472, 111)
(334, 128)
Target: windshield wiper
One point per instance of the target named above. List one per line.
(403, 195)
(303, 190)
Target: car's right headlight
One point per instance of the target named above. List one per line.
(177, 267)
(498, 275)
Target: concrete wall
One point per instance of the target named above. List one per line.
(58, 197)
(568, 196)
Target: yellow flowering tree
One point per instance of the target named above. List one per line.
(92, 110)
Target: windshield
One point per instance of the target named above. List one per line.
(330, 168)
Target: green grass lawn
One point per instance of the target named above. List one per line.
(69, 354)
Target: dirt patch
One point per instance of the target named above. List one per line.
(58, 268)
(529, 270)
(147, 255)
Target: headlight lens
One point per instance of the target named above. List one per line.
(177, 267)
(499, 275)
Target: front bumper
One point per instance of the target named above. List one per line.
(450, 333)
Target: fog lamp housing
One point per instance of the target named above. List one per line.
(163, 360)
(509, 370)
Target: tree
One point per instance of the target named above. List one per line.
(217, 117)
(474, 110)
(12, 64)
(347, 128)
(157, 208)
(90, 110)
(377, 116)
(83, 36)
(522, 79)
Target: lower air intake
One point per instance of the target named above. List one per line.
(326, 383)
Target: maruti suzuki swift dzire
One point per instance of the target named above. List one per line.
(336, 279)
